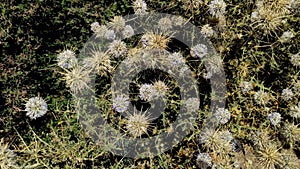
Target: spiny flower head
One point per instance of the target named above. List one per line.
(155, 41)
(36, 107)
(139, 7)
(66, 59)
(207, 30)
(269, 156)
(274, 118)
(98, 29)
(137, 123)
(120, 103)
(77, 78)
(117, 23)
(222, 115)
(199, 50)
(287, 94)
(291, 133)
(204, 160)
(261, 97)
(217, 8)
(161, 88)
(176, 59)
(99, 61)
(117, 48)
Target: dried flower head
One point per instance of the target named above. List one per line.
(117, 48)
(98, 61)
(128, 31)
(287, 94)
(161, 88)
(199, 50)
(98, 29)
(139, 7)
(6, 156)
(222, 115)
(77, 78)
(268, 156)
(155, 41)
(274, 118)
(66, 59)
(36, 107)
(117, 23)
(120, 103)
(217, 8)
(204, 160)
(137, 124)
(295, 59)
(261, 97)
(207, 30)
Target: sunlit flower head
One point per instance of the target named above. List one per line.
(66, 59)
(36, 107)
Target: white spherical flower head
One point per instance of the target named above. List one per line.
(36, 107)
(110, 35)
(66, 59)
(274, 118)
(117, 48)
(222, 115)
(161, 88)
(295, 60)
(120, 103)
(246, 86)
(147, 92)
(165, 24)
(192, 104)
(128, 31)
(95, 26)
(200, 50)
(139, 7)
(287, 94)
(176, 59)
(207, 30)
(255, 16)
(204, 160)
(217, 8)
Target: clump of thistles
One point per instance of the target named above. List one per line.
(36, 107)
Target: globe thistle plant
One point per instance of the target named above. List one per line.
(274, 118)
(269, 156)
(199, 50)
(161, 88)
(155, 41)
(261, 97)
(120, 103)
(217, 8)
(66, 59)
(36, 107)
